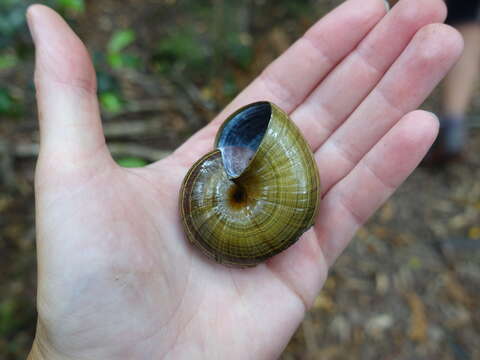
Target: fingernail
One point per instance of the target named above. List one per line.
(387, 5)
(31, 23)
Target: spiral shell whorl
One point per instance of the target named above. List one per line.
(242, 211)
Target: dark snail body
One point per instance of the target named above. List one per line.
(256, 193)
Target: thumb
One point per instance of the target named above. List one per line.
(70, 127)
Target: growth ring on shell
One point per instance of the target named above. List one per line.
(256, 193)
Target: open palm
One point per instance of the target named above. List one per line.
(117, 278)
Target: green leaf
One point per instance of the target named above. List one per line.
(107, 82)
(415, 263)
(183, 47)
(7, 61)
(75, 6)
(131, 162)
(7, 316)
(120, 40)
(111, 102)
(119, 61)
(115, 60)
(7, 104)
(239, 49)
(6, 3)
(230, 88)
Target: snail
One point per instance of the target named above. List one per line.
(256, 193)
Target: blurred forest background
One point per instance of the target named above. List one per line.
(407, 288)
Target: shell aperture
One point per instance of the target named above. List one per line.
(256, 193)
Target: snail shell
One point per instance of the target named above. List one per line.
(256, 193)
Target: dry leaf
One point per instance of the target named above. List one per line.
(474, 233)
(362, 233)
(382, 283)
(330, 284)
(380, 231)
(5, 202)
(477, 205)
(324, 302)
(378, 324)
(329, 353)
(418, 320)
(341, 328)
(457, 317)
(387, 212)
(456, 291)
(279, 39)
(403, 239)
(206, 93)
(458, 222)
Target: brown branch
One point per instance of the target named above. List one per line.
(129, 149)
(151, 105)
(7, 173)
(26, 150)
(132, 128)
(158, 86)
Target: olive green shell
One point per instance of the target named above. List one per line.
(244, 220)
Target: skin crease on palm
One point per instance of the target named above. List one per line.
(116, 276)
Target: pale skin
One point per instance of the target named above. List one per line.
(117, 278)
(460, 82)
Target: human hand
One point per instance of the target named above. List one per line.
(117, 278)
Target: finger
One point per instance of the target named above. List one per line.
(352, 80)
(427, 59)
(290, 78)
(354, 199)
(349, 204)
(70, 126)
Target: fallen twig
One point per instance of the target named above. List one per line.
(7, 173)
(131, 128)
(128, 149)
(150, 105)
(192, 91)
(26, 150)
(158, 86)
